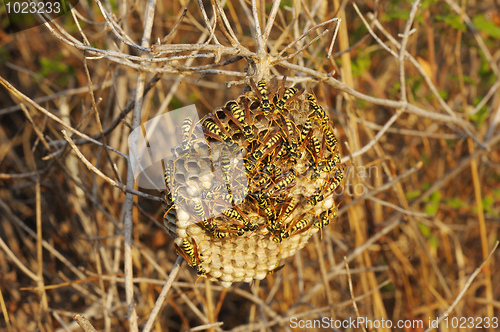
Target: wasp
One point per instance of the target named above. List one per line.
(316, 152)
(264, 205)
(262, 92)
(331, 140)
(232, 198)
(329, 165)
(173, 192)
(187, 129)
(258, 183)
(283, 215)
(215, 131)
(269, 169)
(239, 116)
(336, 158)
(235, 194)
(225, 166)
(199, 210)
(270, 142)
(305, 131)
(300, 226)
(278, 238)
(324, 219)
(206, 223)
(281, 184)
(317, 146)
(255, 159)
(290, 134)
(275, 228)
(317, 197)
(233, 231)
(191, 255)
(336, 180)
(281, 152)
(281, 198)
(287, 95)
(277, 172)
(331, 185)
(168, 181)
(318, 112)
(237, 213)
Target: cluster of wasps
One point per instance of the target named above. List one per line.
(255, 167)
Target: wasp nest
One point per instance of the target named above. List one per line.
(254, 186)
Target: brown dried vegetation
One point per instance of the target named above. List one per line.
(418, 130)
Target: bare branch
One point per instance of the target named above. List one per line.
(116, 29)
(207, 23)
(163, 295)
(258, 31)
(464, 289)
(270, 21)
(390, 103)
(402, 49)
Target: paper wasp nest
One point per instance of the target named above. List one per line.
(251, 182)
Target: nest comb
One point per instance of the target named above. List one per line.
(254, 186)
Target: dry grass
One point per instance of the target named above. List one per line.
(418, 126)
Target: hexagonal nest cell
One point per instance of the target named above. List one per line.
(254, 188)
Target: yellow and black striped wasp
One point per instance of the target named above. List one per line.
(336, 180)
(264, 205)
(316, 153)
(215, 129)
(225, 166)
(306, 138)
(288, 95)
(301, 225)
(319, 114)
(281, 185)
(305, 133)
(172, 194)
(169, 182)
(202, 218)
(263, 94)
(292, 145)
(236, 114)
(294, 228)
(187, 129)
(324, 219)
(276, 228)
(329, 186)
(237, 214)
(269, 144)
(191, 255)
(231, 231)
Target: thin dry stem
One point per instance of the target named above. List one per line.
(464, 289)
